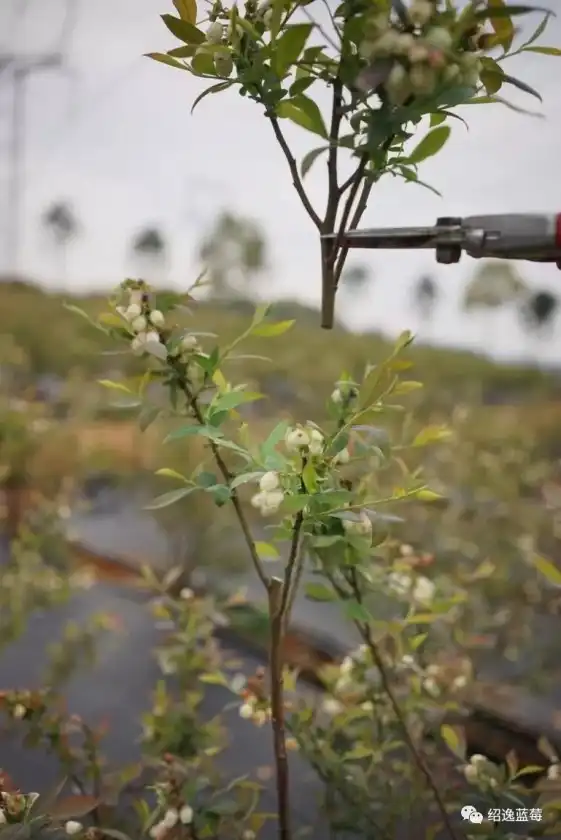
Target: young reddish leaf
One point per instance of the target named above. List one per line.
(73, 806)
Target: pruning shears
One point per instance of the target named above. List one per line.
(511, 236)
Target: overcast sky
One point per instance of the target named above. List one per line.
(116, 138)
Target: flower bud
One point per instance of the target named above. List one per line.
(387, 43)
(186, 815)
(135, 297)
(342, 457)
(137, 344)
(296, 439)
(423, 79)
(152, 336)
(361, 528)
(246, 711)
(397, 85)
(404, 43)
(316, 442)
(420, 12)
(189, 342)
(73, 827)
(418, 53)
(268, 17)
(215, 33)
(19, 711)
(157, 318)
(133, 311)
(269, 482)
(224, 64)
(439, 37)
(139, 324)
(451, 74)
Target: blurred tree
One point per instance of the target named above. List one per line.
(61, 224)
(538, 313)
(234, 253)
(539, 310)
(355, 278)
(495, 285)
(425, 298)
(149, 248)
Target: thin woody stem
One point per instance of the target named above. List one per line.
(221, 464)
(293, 166)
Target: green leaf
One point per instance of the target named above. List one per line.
(233, 399)
(268, 330)
(540, 29)
(437, 119)
(245, 478)
(212, 89)
(543, 50)
(495, 12)
(187, 10)
(203, 63)
(309, 478)
(114, 386)
(310, 158)
(277, 11)
(492, 75)
(166, 472)
(167, 499)
(289, 46)
(319, 592)
(147, 416)
(303, 112)
(326, 541)
(183, 30)
(163, 58)
(220, 493)
(187, 51)
(431, 144)
(214, 679)
(266, 551)
(432, 434)
(268, 446)
(356, 612)
(294, 504)
(426, 495)
(453, 739)
(206, 479)
(549, 570)
(517, 83)
(187, 431)
(502, 24)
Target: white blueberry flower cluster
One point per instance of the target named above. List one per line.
(350, 665)
(13, 806)
(171, 818)
(305, 440)
(480, 771)
(359, 527)
(252, 709)
(144, 323)
(270, 496)
(426, 54)
(420, 589)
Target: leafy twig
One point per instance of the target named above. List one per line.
(366, 633)
(242, 519)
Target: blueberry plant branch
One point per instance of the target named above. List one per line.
(365, 630)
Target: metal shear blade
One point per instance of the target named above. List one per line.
(397, 238)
